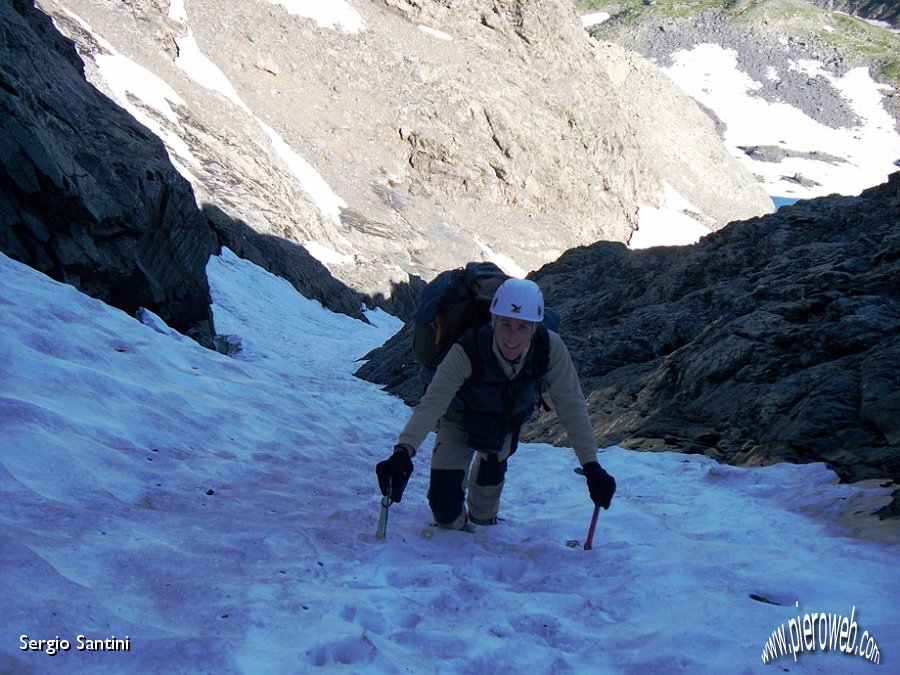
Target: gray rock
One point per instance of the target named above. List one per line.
(772, 153)
(877, 10)
(90, 197)
(774, 339)
(87, 195)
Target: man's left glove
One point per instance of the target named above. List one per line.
(394, 472)
(601, 485)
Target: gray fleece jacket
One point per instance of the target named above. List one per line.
(561, 384)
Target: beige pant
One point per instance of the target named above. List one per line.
(452, 468)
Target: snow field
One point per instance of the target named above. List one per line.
(219, 512)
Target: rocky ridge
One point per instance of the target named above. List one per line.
(90, 197)
(87, 195)
(875, 10)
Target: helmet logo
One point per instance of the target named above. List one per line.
(514, 308)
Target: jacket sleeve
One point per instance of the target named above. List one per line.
(565, 392)
(448, 378)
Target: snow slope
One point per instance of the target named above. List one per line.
(868, 153)
(844, 160)
(217, 512)
(712, 75)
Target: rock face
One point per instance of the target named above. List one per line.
(877, 10)
(774, 339)
(391, 151)
(86, 194)
(90, 197)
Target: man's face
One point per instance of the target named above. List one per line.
(512, 336)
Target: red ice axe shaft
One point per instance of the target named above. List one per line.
(589, 542)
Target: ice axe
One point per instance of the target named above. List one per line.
(381, 532)
(589, 542)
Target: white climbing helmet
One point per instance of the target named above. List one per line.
(519, 299)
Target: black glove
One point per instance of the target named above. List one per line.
(393, 474)
(601, 485)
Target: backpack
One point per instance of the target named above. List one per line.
(453, 302)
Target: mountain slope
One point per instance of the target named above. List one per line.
(796, 63)
(416, 138)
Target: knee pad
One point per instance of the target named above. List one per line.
(445, 494)
(490, 472)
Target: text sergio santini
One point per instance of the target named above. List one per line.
(82, 644)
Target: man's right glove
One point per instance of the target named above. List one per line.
(394, 472)
(601, 485)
